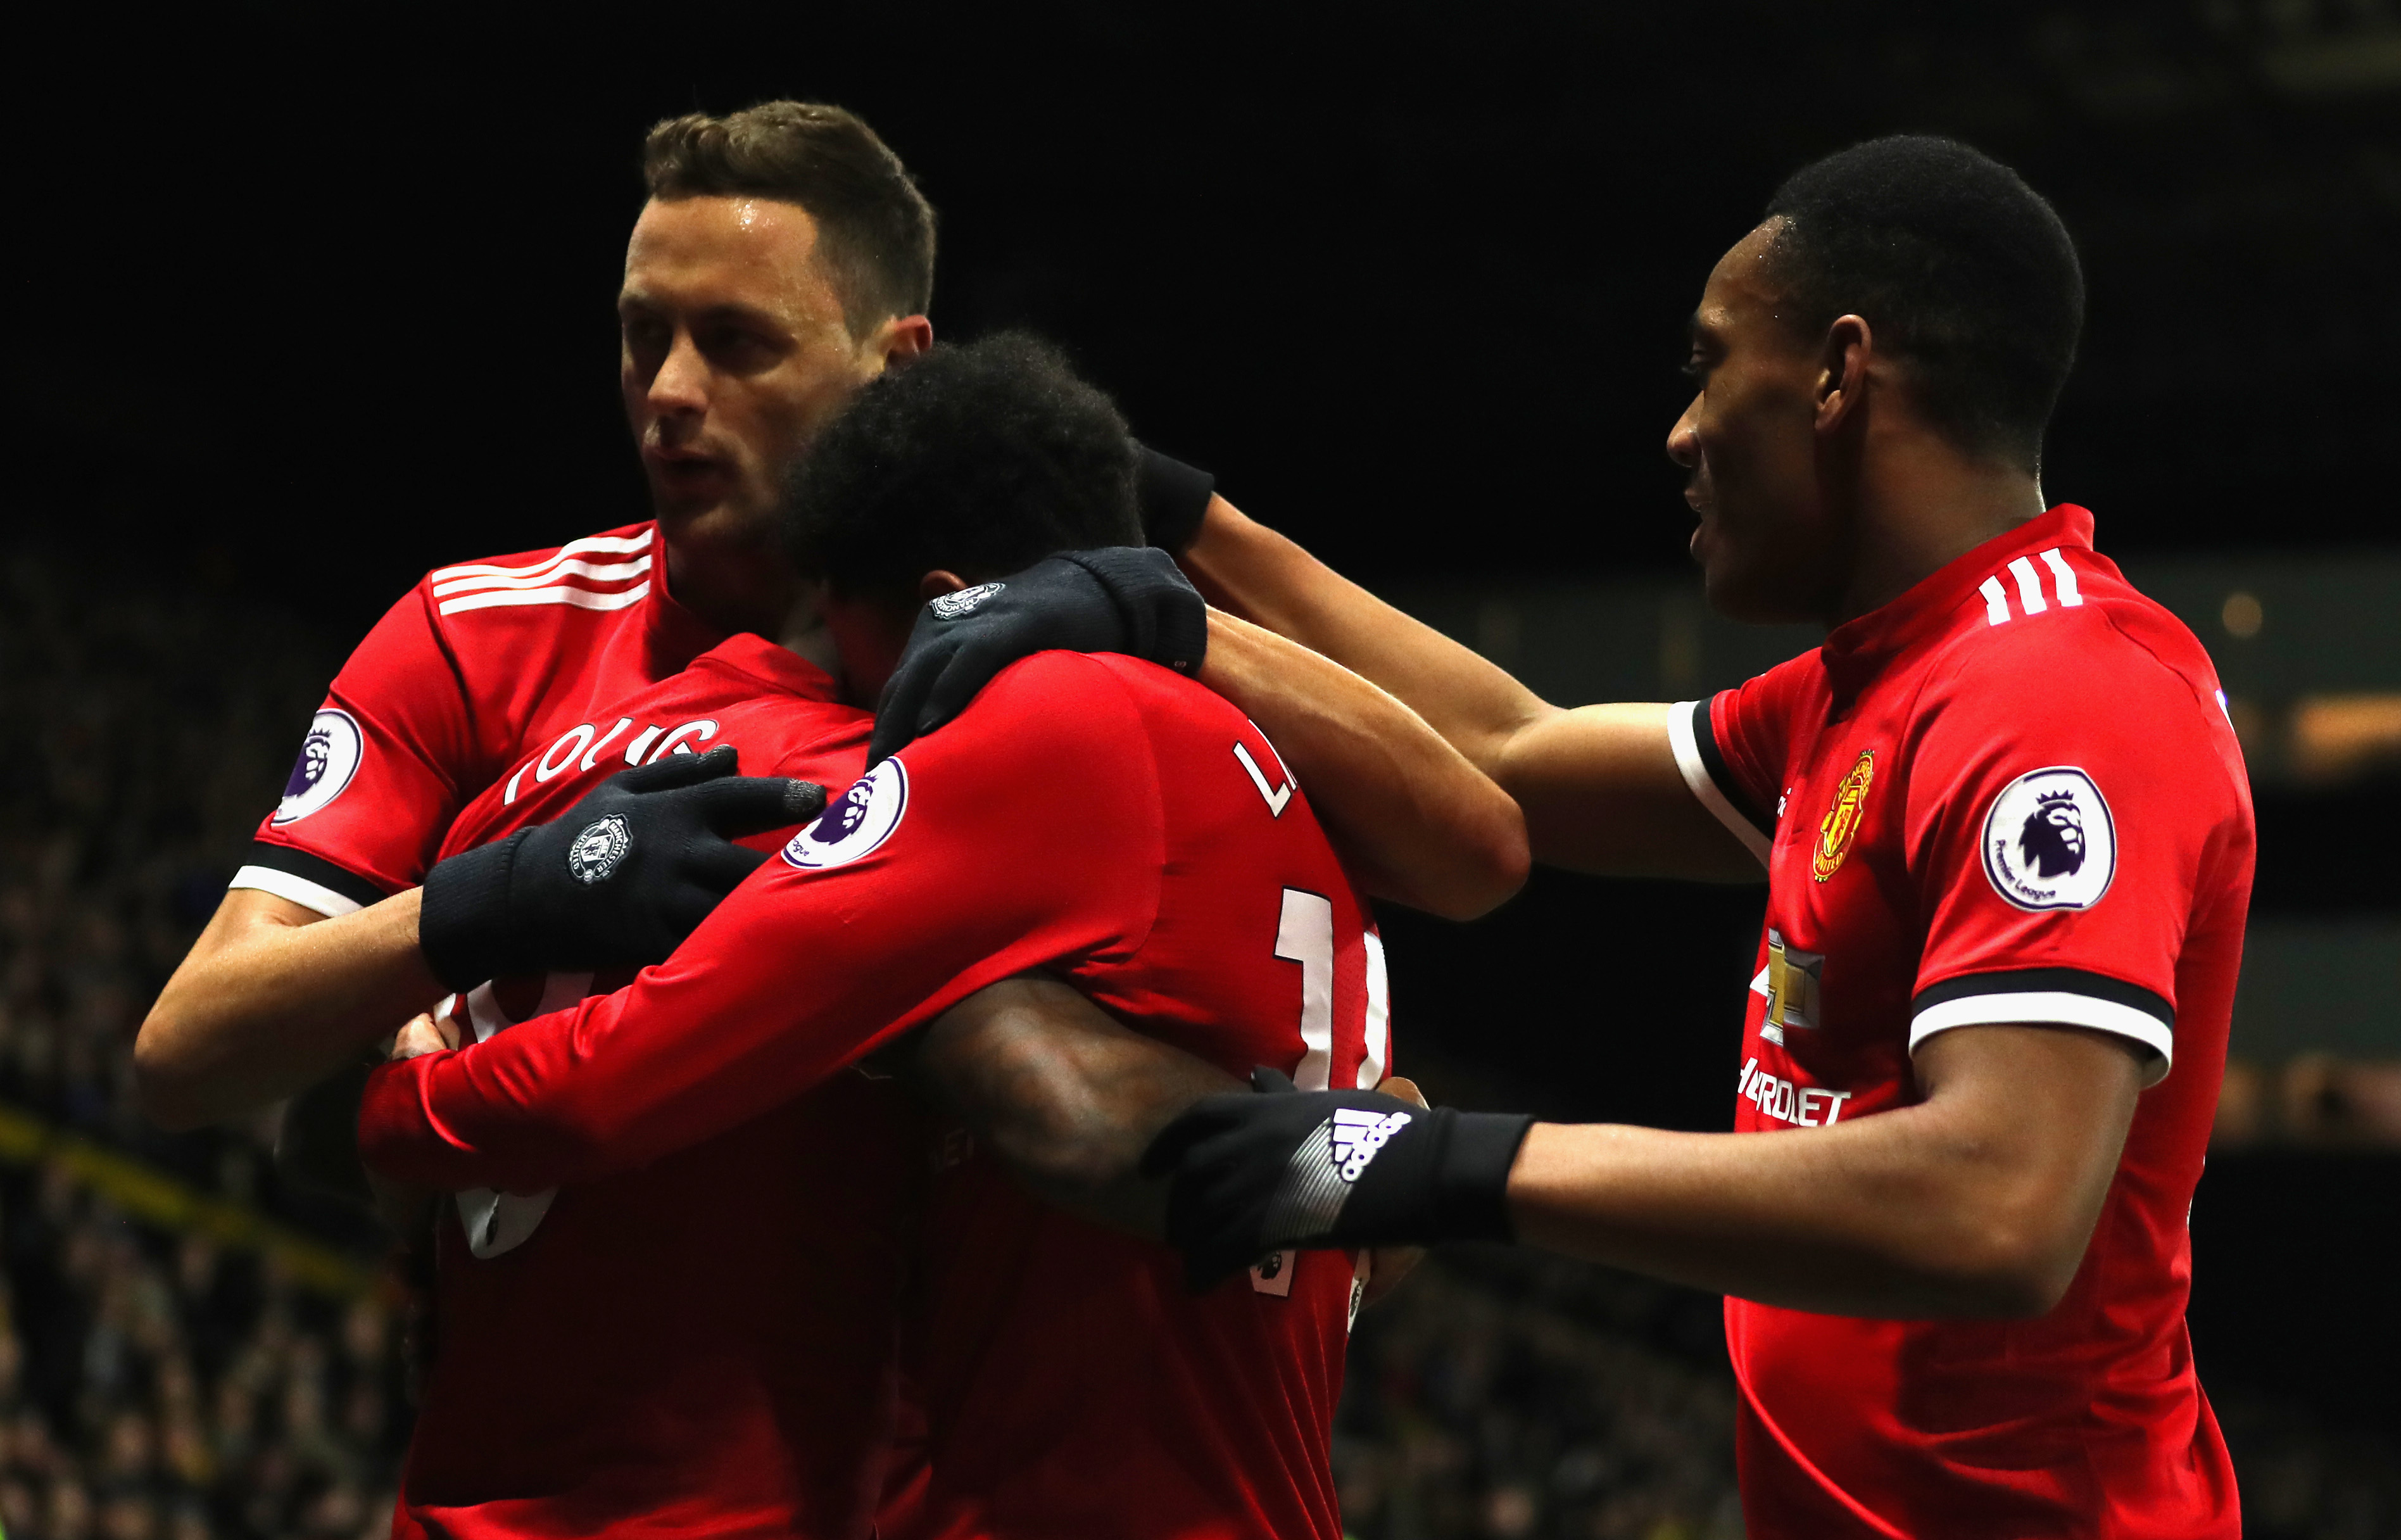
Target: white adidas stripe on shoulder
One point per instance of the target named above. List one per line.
(622, 546)
(558, 593)
(598, 571)
(2031, 596)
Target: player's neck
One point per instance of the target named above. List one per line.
(1919, 509)
(735, 583)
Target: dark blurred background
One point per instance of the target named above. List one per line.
(307, 303)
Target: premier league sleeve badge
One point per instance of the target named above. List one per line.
(329, 757)
(2048, 840)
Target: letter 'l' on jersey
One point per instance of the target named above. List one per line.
(2011, 795)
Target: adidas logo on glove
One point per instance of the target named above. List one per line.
(1354, 1136)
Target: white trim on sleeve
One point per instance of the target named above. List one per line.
(1696, 772)
(2050, 1008)
(300, 890)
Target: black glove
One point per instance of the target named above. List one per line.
(1173, 497)
(618, 881)
(1280, 1168)
(1122, 598)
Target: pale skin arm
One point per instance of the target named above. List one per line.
(1978, 1201)
(273, 997)
(1412, 819)
(1597, 784)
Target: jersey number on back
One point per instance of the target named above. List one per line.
(1305, 935)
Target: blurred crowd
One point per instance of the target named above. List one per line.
(1514, 1396)
(154, 1383)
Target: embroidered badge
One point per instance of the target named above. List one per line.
(1842, 821)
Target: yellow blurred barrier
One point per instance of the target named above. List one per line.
(152, 1195)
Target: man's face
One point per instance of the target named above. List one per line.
(733, 353)
(1766, 546)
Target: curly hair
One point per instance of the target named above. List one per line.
(1964, 271)
(980, 459)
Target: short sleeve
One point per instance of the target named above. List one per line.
(378, 775)
(1028, 832)
(1731, 750)
(2061, 824)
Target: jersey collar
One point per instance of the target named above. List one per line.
(777, 670)
(1857, 649)
(673, 635)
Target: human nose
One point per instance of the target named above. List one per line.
(1684, 438)
(682, 382)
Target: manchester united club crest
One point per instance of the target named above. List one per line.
(600, 850)
(2049, 842)
(1842, 822)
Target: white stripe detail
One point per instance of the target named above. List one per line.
(583, 598)
(2063, 579)
(2029, 585)
(1378, 1036)
(299, 891)
(1997, 603)
(2050, 1008)
(614, 571)
(617, 545)
(1696, 775)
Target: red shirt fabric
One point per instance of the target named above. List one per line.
(2011, 795)
(703, 1344)
(1130, 831)
(475, 662)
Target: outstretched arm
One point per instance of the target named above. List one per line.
(1599, 785)
(1978, 1201)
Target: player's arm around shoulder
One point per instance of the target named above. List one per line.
(1414, 821)
(1597, 785)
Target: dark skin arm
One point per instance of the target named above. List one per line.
(1070, 1098)
(1979, 1201)
(1065, 1093)
(1597, 784)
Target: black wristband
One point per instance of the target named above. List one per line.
(1472, 1200)
(1174, 498)
(463, 913)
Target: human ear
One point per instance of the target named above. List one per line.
(1843, 374)
(901, 340)
(933, 585)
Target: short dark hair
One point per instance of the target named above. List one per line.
(980, 460)
(1964, 271)
(876, 228)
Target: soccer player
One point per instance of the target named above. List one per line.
(2009, 843)
(1100, 818)
(783, 257)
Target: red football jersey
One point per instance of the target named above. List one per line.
(701, 1343)
(2011, 795)
(1129, 830)
(475, 662)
